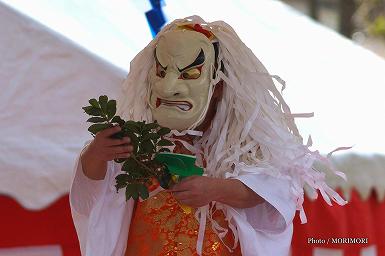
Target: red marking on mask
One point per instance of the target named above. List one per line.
(158, 102)
(198, 28)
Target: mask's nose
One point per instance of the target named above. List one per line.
(170, 86)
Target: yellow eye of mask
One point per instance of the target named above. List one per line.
(193, 73)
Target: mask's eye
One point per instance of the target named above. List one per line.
(192, 73)
(160, 71)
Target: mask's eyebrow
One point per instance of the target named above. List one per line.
(157, 61)
(199, 60)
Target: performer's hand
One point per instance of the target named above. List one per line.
(195, 191)
(102, 149)
(105, 148)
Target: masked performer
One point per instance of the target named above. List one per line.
(222, 105)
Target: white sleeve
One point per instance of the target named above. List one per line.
(277, 212)
(84, 191)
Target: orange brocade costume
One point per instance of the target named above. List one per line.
(160, 227)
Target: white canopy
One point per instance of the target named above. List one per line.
(45, 79)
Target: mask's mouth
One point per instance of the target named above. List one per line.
(182, 105)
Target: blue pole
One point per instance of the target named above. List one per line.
(155, 16)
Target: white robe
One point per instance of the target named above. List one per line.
(102, 216)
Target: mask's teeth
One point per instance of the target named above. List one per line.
(184, 107)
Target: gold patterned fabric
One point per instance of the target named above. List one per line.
(161, 227)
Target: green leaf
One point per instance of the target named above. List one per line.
(163, 131)
(96, 119)
(87, 108)
(147, 146)
(94, 103)
(164, 150)
(143, 134)
(92, 111)
(164, 142)
(122, 178)
(95, 128)
(138, 172)
(143, 191)
(129, 165)
(131, 126)
(117, 119)
(103, 102)
(121, 181)
(135, 195)
(154, 136)
(111, 109)
(151, 136)
(141, 124)
(150, 126)
(131, 191)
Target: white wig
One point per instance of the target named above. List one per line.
(253, 130)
